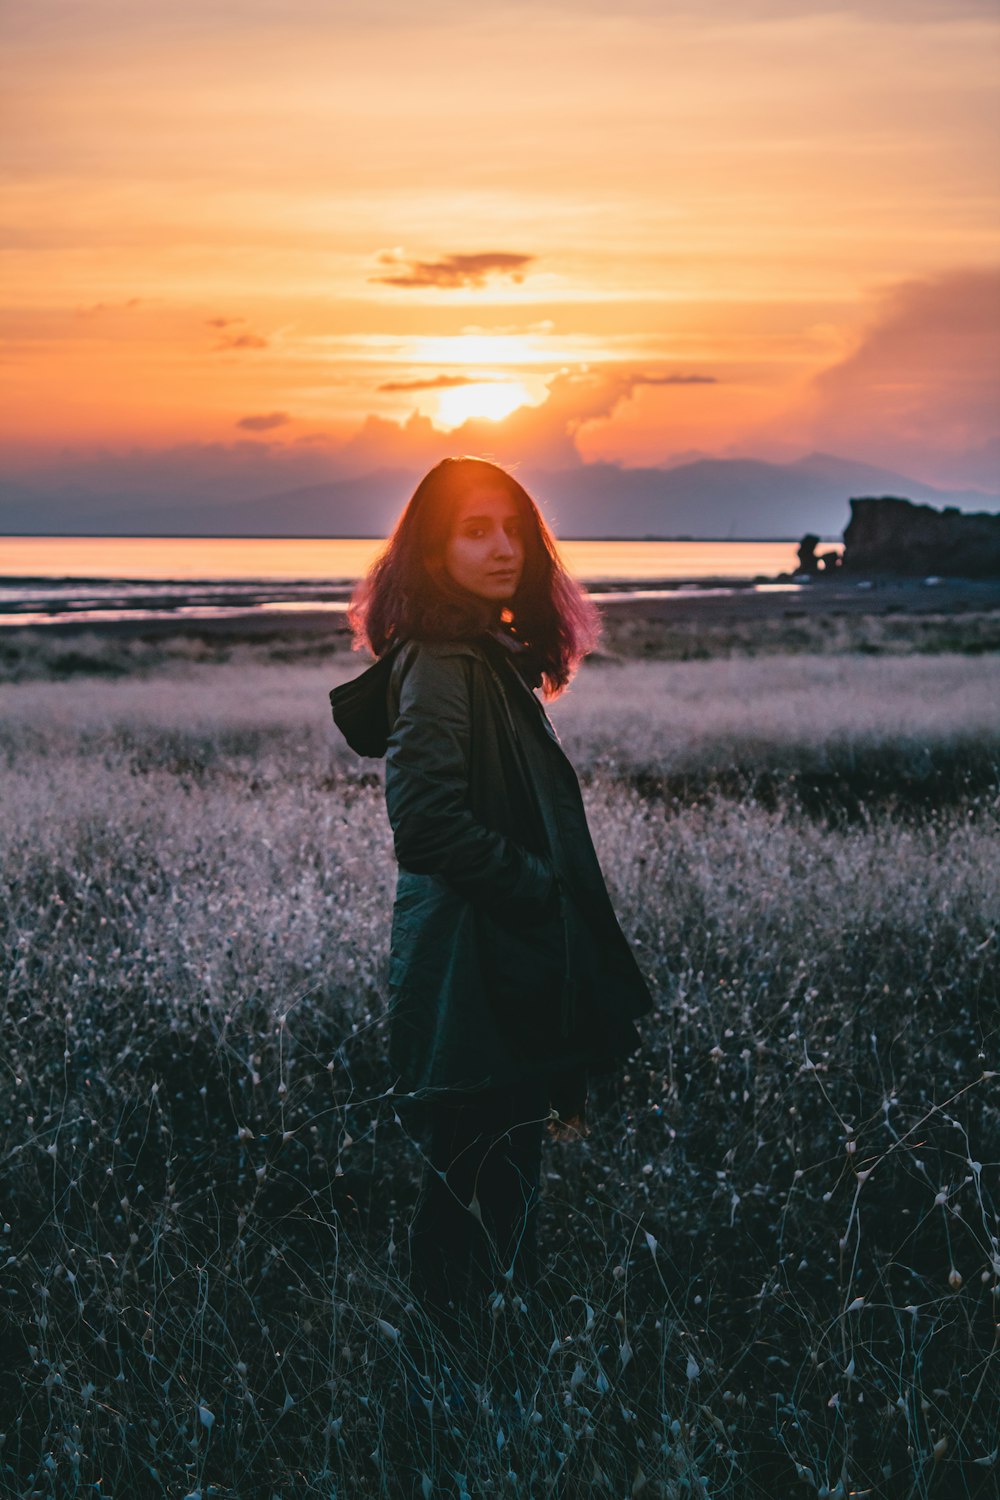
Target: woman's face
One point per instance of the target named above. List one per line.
(484, 552)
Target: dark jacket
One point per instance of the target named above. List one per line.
(506, 958)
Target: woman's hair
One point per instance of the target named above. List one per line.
(408, 592)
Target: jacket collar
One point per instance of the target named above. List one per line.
(360, 710)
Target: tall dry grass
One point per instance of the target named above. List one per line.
(773, 1267)
(914, 727)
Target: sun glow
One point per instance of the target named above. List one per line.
(493, 400)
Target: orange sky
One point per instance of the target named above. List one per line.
(750, 227)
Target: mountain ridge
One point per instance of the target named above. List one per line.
(712, 498)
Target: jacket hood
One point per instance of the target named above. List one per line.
(359, 706)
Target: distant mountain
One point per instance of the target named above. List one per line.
(727, 497)
(858, 476)
(66, 510)
(365, 506)
(706, 497)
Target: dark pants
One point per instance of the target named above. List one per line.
(473, 1230)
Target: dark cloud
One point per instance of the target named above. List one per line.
(265, 422)
(674, 380)
(240, 341)
(223, 322)
(436, 383)
(451, 270)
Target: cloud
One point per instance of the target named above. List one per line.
(102, 307)
(921, 390)
(743, 12)
(240, 341)
(545, 325)
(532, 439)
(451, 270)
(674, 380)
(546, 434)
(245, 340)
(436, 382)
(265, 422)
(540, 437)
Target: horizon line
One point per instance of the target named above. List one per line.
(258, 536)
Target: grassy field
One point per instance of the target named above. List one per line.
(771, 1270)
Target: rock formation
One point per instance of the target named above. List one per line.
(812, 565)
(808, 561)
(889, 535)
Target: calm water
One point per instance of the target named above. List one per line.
(45, 579)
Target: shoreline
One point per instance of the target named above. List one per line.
(707, 602)
(341, 536)
(172, 603)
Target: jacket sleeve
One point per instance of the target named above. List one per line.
(426, 788)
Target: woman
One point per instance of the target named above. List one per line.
(509, 976)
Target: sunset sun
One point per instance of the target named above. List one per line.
(491, 399)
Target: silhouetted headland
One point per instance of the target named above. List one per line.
(892, 537)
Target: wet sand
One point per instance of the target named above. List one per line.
(740, 604)
(834, 597)
(892, 617)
